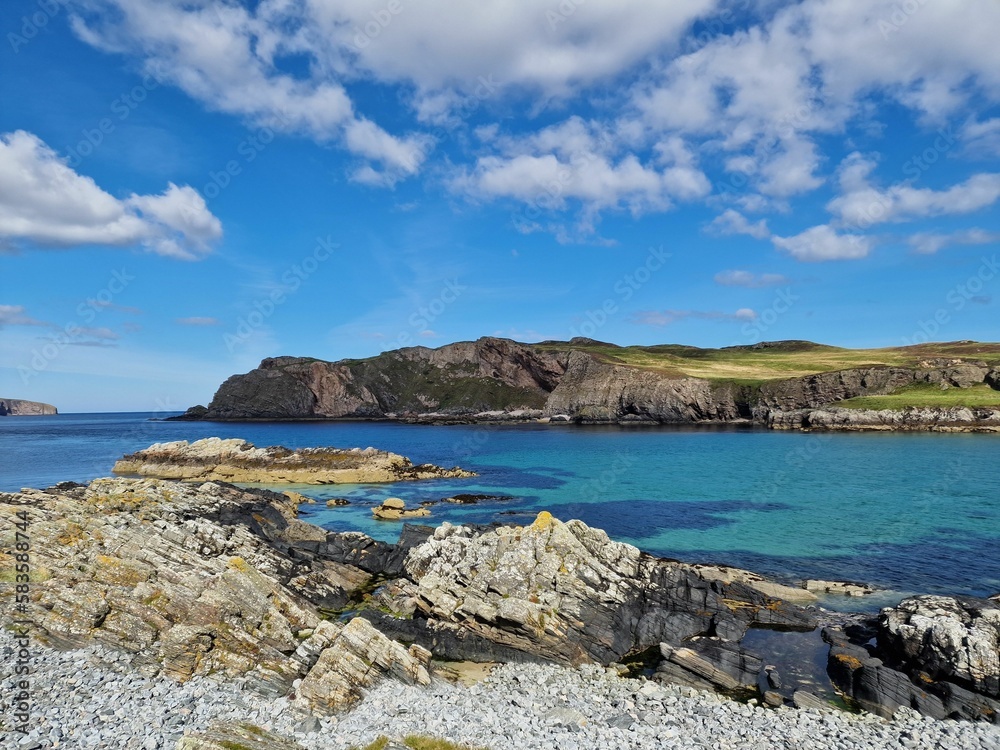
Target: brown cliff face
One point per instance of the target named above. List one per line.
(495, 379)
(15, 407)
(596, 391)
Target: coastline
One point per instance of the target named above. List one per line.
(552, 591)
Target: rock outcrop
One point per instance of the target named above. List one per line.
(394, 509)
(15, 407)
(584, 381)
(938, 655)
(215, 459)
(869, 420)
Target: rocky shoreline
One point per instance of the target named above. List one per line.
(187, 581)
(233, 460)
(97, 697)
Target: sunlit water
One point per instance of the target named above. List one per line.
(908, 512)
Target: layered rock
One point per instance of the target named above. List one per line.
(566, 592)
(15, 407)
(938, 655)
(197, 580)
(961, 419)
(234, 460)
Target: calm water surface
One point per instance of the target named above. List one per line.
(909, 512)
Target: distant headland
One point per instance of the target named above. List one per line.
(951, 386)
(15, 407)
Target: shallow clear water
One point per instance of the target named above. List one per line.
(909, 512)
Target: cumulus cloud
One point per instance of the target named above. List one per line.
(731, 221)
(822, 243)
(750, 280)
(230, 58)
(928, 243)
(581, 161)
(862, 204)
(44, 202)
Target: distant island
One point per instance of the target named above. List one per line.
(15, 407)
(951, 386)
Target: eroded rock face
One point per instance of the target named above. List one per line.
(595, 391)
(239, 461)
(946, 638)
(356, 658)
(938, 655)
(867, 420)
(566, 592)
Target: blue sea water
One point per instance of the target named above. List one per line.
(908, 512)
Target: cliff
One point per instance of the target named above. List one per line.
(15, 407)
(779, 385)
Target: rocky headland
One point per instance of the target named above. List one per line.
(233, 460)
(180, 582)
(584, 381)
(15, 407)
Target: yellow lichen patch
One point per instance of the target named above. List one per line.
(849, 661)
(238, 563)
(71, 534)
(543, 521)
(117, 572)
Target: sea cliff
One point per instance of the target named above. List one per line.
(15, 407)
(780, 385)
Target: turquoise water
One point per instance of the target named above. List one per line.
(909, 512)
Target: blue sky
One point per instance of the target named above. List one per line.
(188, 187)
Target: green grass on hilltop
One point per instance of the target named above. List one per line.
(779, 360)
(927, 395)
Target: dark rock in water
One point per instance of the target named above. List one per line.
(335, 502)
(471, 499)
(710, 663)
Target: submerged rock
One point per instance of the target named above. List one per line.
(236, 460)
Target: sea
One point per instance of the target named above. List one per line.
(907, 512)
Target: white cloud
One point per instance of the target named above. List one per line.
(928, 243)
(749, 280)
(861, 204)
(667, 317)
(822, 243)
(982, 138)
(199, 321)
(14, 315)
(230, 58)
(731, 221)
(44, 202)
(581, 161)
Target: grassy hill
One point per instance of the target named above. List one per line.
(773, 361)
